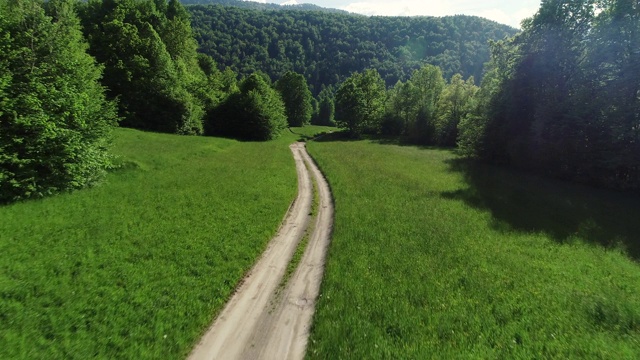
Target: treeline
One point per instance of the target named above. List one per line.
(563, 97)
(264, 6)
(326, 48)
(425, 109)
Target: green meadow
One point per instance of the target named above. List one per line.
(433, 257)
(138, 267)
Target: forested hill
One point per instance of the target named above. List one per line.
(327, 47)
(263, 6)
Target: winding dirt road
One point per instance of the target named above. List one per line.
(263, 321)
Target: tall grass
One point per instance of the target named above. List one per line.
(138, 267)
(433, 257)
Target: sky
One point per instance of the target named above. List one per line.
(509, 12)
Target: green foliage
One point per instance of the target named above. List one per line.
(214, 88)
(412, 106)
(565, 96)
(256, 112)
(434, 257)
(480, 132)
(138, 267)
(325, 114)
(265, 6)
(54, 119)
(297, 98)
(151, 65)
(327, 48)
(360, 102)
(456, 102)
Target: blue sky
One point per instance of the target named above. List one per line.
(502, 11)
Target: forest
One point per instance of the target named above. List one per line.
(327, 47)
(561, 97)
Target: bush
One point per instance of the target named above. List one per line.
(255, 113)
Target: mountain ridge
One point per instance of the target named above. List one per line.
(327, 47)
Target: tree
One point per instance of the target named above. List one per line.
(154, 81)
(613, 62)
(360, 102)
(563, 96)
(455, 104)
(326, 107)
(255, 112)
(54, 120)
(402, 108)
(326, 112)
(297, 98)
(429, 84)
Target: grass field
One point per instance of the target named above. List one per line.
(435, 258)
(137, 267)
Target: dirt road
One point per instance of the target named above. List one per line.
(261, 321)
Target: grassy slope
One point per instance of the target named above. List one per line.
(137, 267)
(432, 258)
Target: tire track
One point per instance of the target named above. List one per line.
(259, 322)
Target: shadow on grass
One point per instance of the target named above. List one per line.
(529, 203)
(337, 136)
(345, 136)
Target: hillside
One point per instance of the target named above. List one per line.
(327, 47)
(263, 6)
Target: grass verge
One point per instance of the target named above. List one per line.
(432, 257)
(138, 267)
(302, 245)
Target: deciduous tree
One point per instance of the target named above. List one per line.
(255, 112)
(360, 102)
(297, 98)
(54, 119)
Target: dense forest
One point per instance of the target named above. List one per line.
(264, 6)
(327, 47)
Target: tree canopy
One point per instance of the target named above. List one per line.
(297, 98)
(54, 119)
(255, 112)
(360, 102)
(151, 64)
(327, 47)
(563, 97)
